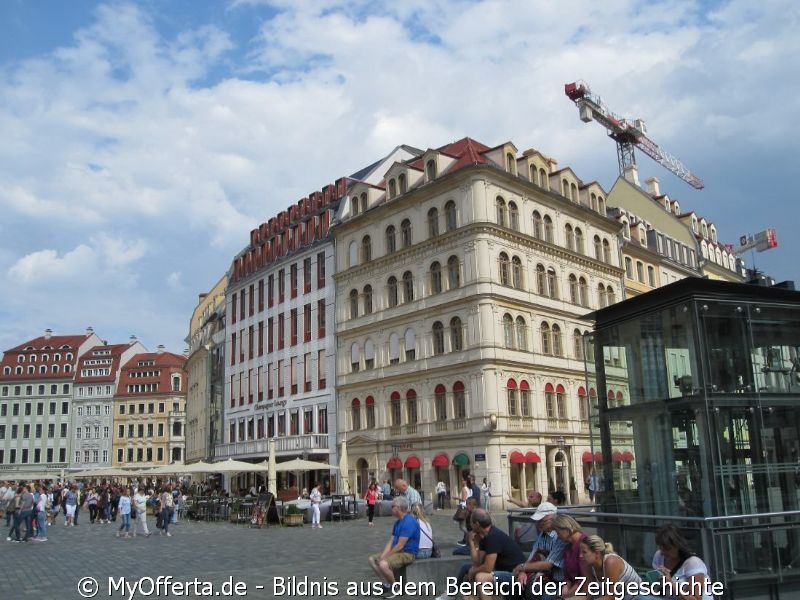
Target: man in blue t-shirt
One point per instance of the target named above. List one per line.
(400, 550)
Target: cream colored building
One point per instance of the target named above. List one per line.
(461, 279)
(206, 374)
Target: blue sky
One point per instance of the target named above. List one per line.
(142, 141)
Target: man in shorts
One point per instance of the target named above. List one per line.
(400, 550)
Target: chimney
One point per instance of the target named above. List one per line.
(48, 333)
(631, 173)
(552, 164)
(202, 296)
(652, 186)
(89, 331)
(132, 340)
(160, 348)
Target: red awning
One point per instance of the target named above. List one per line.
(587, 457)
(394, 463)
(627, 456)
(441, 460)
(616, 456)
(532, 457)
(516, 458)
(598, 456)
(412, 462)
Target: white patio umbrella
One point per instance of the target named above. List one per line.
(300, 464)
(236, 466)
(272, 479)
(344, 469)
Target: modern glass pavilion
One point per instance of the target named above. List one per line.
(697, 421)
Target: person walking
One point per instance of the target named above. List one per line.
(41, 515)
(71, 505)
(124, 512)
(441, 494)
(167, 507)
(486, 490)
(13, 510)
(316, 500)
(140, 506)
(371, 498)
(26, 505)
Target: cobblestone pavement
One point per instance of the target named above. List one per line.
(333, 559)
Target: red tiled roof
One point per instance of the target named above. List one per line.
(467, 152)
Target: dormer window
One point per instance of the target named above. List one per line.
(402, 182)
(676, 208)
(353, 206)
(711, 230)
(392, 188)
(430, 170)
(511, 164)
(364, 202)
(626, 229)
(694, 224)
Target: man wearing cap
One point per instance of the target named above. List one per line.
(547, 556)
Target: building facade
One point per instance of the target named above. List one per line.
(150, 410)
(461, 278)
(96, 379)
(206, 371)
(36, 403)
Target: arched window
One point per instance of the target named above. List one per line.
(367, 299)
(391, 291)
(440, 402)
(405, 232)
(438, 338)
(548, 229)
(401, 179)
(550, 400)
(436, 278)
(370, 402)
(565, 188)
(593, 201)
(573, 289)
(538, 228)
(508, 330)
(433, 222)
(516, 272)
(583, 411)
(651, 276)
(561, 401)
(392, 188)
(541, 280)
(583, 291)
(391, 241)
(354, 205)
(640, 271)
(577, 344)
(408, 287)
(500, 205)
(394, 348)
(364, 202)
(552, 283)
(511, 163)
(598, 248)
(396, 417)
(352, 255)
(601, 205)
(606, 252)
(355, 414)
(453, 275)
(459, 401)
(522, 334)
(513, 216)
(411, 344)
(456, 336)
(524, 399)
(430, 170)
(547, 347)
(505, 275)
(628, 268)
(544, 181)
(573, 192)
(601, 295)
(450, 215)
(369, 355)
(355, 357)
(569, 236)
(558, 346)
(366, 249)
(579, 241)
(411, 407)
(511, 394)
(353, 304)
(610, 296)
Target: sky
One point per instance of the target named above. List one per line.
(140, 142)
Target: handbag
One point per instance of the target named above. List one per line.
(435, 552)
(461, 514)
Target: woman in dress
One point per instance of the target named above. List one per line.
(372, 498)
(425, 532)
(316, 499)
(677, 563)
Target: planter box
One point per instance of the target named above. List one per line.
(295, 520)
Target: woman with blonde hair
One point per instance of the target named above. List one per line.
(569, 532)
(425, 531)
(604, 566)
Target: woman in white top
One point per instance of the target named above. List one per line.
(610, 570)
(677, 563)
(425, 532)
(316, 500)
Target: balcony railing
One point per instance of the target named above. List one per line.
(287, 446)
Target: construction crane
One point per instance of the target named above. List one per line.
(763, 240)
(628, 134)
